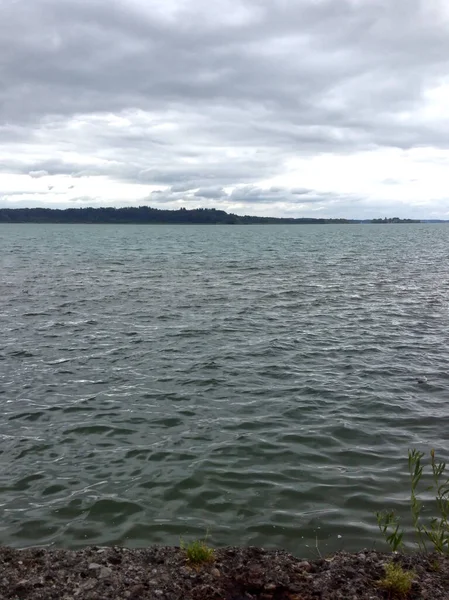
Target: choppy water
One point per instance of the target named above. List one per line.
(259, 381)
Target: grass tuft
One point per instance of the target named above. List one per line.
(397, 581)
(198, 552)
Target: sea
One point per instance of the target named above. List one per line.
(255, 385)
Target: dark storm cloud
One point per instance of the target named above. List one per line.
(196, 96)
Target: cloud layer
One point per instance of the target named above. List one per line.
(306, 108)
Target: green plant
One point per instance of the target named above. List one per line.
(416, 470)
(437, 533)
(389, 526)
(439, 527)
(198, 552)
(397, 581)
(434, 566)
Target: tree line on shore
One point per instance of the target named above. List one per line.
(147, 214)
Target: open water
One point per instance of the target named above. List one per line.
(258, 382)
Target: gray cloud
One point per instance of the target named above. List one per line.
(245, 198)
(212, 193)
(300, 191)
(38, 174)
(254, 195)
(197, 98)
(183, 187)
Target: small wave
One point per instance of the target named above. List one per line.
(106, 509)
(21, 354)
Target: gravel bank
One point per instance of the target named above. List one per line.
(162, 573)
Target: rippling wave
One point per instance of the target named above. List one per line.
(259, 382)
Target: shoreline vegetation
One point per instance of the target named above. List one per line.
(147, 215)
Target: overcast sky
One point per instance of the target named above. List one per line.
(268, 107)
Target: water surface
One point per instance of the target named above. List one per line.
(256, 381)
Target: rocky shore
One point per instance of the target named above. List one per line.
(164, 573)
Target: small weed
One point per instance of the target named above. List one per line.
(389, 526)
(437, 530)
(434, 566)
(397, 581)
(198, 552)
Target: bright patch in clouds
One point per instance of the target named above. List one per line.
(335, 108)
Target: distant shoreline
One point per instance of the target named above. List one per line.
(153, 216)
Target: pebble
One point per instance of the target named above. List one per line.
(89, 584)
(137, 591)
(105, 572)
(304, 565)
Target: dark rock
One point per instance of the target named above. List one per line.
(270, 587)
(136, 592)
(304, 565)
(105, 572)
